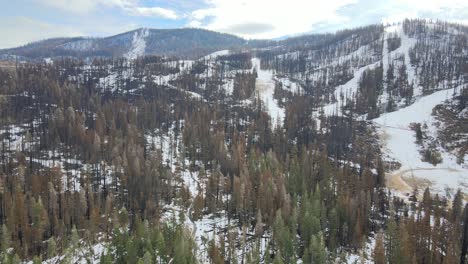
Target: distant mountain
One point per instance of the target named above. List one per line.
(186, 42)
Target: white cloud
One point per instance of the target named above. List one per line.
(30, 30)
(397, 10)
(194, 24)
(130, 6)
(432, 5)
(85, 6)
(75, 6)
(21, 30)
(271, 18)
(154, 11)
(275, 18)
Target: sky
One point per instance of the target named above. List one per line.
(24, 21)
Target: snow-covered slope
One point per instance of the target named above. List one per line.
(265, 89)
(138, 44)
(347, 91)
(216, 54)
(399, 143)
(186, 42)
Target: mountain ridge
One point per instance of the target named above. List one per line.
(182, 42)
(178, 42)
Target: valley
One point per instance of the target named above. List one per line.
(192, 146)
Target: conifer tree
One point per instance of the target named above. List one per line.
(379, 250)
(317, 250)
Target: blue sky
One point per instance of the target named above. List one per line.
(23, 21)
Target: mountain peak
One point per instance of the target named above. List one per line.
(183, 42)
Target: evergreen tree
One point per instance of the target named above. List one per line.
(379, 250)
(317, 250)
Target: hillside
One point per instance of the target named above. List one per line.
(169, 42)
(330, 148)
(394, 76)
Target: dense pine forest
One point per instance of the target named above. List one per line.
(259, 155)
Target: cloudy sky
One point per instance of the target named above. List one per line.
(23, 21)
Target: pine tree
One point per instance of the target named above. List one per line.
(147, 258)
(284, 240)
(392, 242)
(317, 251)
(457, 207)
(37, 260)
(5, 241)
(51, 248)
(214, 253)
(278, 258)
(39, 222)
(379, 250)
(131, 253)
(259, 224)
(464, 240)
(74, 239)
(406, 245)
(106, 259)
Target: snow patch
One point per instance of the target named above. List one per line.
(400, 144)
(216, 54)
(347, 90)
(138, 44)
(265, 89)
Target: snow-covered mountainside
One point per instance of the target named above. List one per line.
(302, 150)
(373, 71)
(400, 73)
(138, 44)
(169, 42)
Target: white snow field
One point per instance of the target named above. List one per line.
(399, 143)
(138, 44)
(216, 54)
(265, 89)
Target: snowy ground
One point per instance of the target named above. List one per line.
(265, 89)
(289, 85)
(216, 54)
(364, 255)
(400, 144)
(84, 254)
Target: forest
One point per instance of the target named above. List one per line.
(127, 161)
